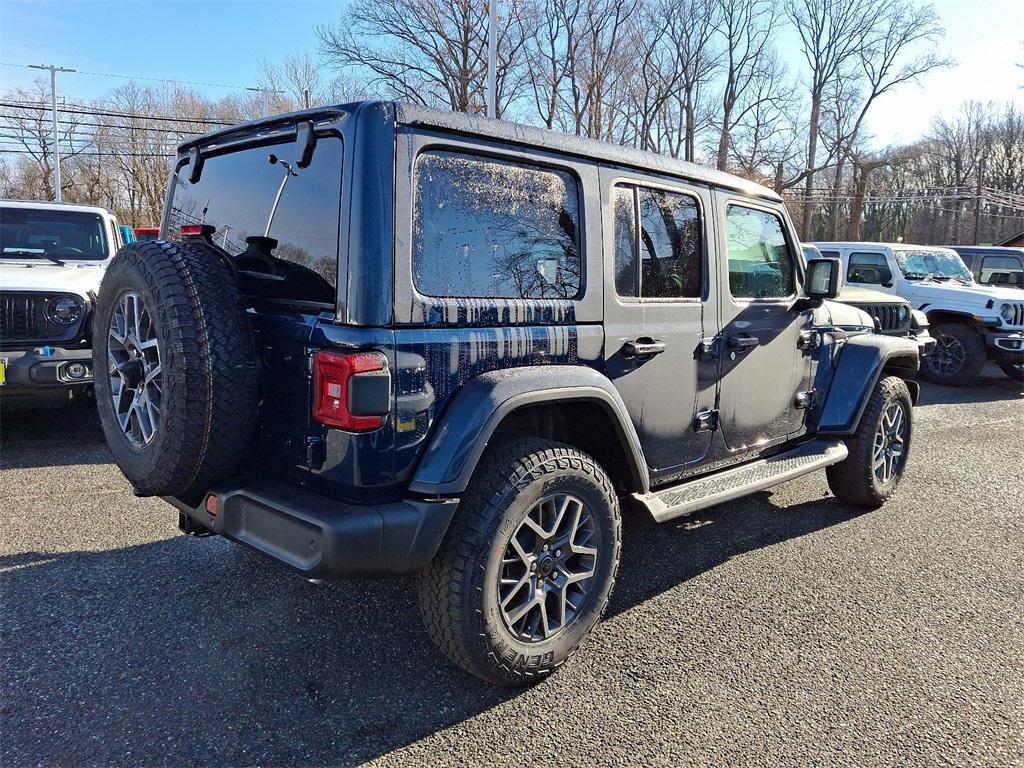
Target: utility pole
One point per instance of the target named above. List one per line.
(265, 93)
(305, 96)
(56, 126)
(492, 58)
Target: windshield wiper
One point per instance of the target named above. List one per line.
(33, 254)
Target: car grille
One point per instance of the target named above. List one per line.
(23, 320)
(888, 317)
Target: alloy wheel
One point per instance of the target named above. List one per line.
(890, 444)
(133, 355)
(548, 567)
(948, 357)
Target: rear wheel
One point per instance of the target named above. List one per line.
(528, 565)
(879, 448)
(958, 357)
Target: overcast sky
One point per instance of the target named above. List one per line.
(220, 41)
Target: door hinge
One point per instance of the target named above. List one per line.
(803, 399)
(706, 421)
(807, 340)
(707, 349)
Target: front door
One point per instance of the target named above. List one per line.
(656, 313)
(764, 366)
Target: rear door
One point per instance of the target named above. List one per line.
(764, 363)
(656, 314)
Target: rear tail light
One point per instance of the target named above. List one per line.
(351, 391)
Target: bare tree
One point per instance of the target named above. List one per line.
(746, 28)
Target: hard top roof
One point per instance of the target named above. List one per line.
(502, 130)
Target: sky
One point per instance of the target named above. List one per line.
(222, 41)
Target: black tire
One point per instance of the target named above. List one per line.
(208, 378)
(952, 339)
(855, 480)
(459, 591)
(1014, 370)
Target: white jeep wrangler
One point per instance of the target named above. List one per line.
(971, 322)
(52, 258)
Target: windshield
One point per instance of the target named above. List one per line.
(54, 235)
(279, 221)
(940, 265)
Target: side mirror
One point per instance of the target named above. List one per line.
(886, 277)
(822, 278)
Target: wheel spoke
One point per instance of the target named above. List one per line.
(134, 369)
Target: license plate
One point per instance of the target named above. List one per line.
(3, 371)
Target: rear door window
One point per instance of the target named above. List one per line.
(236, 195)
(657, 243)
(489, 228)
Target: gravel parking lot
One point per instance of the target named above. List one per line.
(781, 629)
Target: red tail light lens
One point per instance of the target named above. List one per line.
(197, 230)
(351, 391)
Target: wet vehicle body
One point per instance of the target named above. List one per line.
(463, 343)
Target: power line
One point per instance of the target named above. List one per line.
(109, 113)
(90, 154)
(140, 77)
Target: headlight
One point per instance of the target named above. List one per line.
(1006, 312)
(904, 313)
(65, 310)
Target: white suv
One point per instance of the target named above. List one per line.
(971, 322)
(52, 258)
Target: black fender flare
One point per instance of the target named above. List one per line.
(470, 419)
(859, 365)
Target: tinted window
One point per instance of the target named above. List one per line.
(494, 229)
(830, 254)
(760, 263)
(236, 193)
(1002, 270)
(868, 268)
(27, 233)
(658, 252)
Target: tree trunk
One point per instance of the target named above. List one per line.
(812, 154)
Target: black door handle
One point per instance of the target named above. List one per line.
(643, 347)
(743, 342)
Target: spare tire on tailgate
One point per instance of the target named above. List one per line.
(175, 367)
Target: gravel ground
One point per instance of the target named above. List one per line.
(778, 630)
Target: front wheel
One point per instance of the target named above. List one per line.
(958, 357)
(527, 567)
(879, 448)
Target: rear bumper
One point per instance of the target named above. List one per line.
(322, 538)
(31, 375)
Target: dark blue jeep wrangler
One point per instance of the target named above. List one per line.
(378, 339)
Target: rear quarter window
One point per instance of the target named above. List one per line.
(490, 228)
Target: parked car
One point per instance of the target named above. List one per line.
(516, 332)
(52, 258)
(892, 314)
(971, 323)
(146, 233)
(993, 265)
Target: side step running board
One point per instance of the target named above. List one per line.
(740, 481)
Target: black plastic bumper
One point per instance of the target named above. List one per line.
(30, 375)
(322, 538)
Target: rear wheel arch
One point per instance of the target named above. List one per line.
(571, 404)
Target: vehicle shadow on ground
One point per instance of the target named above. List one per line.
(991, 385)
(189, 651)
(52, 437)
